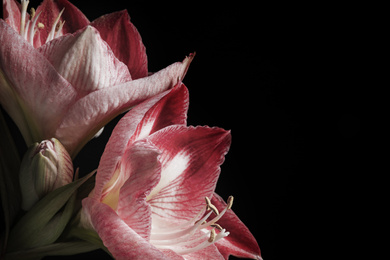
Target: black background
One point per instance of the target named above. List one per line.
(283, 78)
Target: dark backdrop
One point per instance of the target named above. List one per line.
(279, 76)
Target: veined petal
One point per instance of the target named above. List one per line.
(40, 96)
(122, 241)
(141, 169)
(169, 110)
(191, 159)
(50, 10)
(86, 61)
(92, 112)
(125, 41)
(11, 13)
(153, 114)
(240, 242)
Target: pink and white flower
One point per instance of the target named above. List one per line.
(154, 193)
(64, 77)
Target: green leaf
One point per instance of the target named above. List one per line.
(31, 230)
(65, 248)
(9, 183)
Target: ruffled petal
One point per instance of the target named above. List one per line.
(89, 114)
(49, 11)
(86, 61)
(125, 41)
(31, 90)
(120, 239)
(191, 159)
(240, 242)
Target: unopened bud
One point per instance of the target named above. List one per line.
(45, 167)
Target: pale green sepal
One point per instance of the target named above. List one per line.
(9, 184)
(26, 232)
(65, 248)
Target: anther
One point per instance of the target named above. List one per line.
(211, 206)
(41, 26)
(32, 13)
(230, 202)
(217, 226)
(212, 236)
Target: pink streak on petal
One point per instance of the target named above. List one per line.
(191, 159)
(141, 170)
(125, 41)
(98, 108)
(162, 110)
(169, 110)
(120, 239)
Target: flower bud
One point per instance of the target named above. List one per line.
(45, 167)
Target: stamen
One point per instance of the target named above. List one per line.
(54, 27)
(217, 226)
(32, 29)
(212, 236)
(211, 206)
(181, 238)
(23, 16)
(230, 202)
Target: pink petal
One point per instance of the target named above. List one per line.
(190, 158)
(240, 242)
(169, 110)
(161, 110)
(210, 252)
(125, 41)
(119, 141)
(11, 13)
(141, 169)
(93, 111)
(31, 90)
(120, 239)
(73, 17)
(86, 61)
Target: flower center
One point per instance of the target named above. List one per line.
(29, 28)
(194, 234)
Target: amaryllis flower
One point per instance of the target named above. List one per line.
(154, 193)
(64, 77)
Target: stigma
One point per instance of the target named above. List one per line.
(30, 25)
(195, 234)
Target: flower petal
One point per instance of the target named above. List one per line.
(50, 10)
(31, 90)
(190, 158)
(141, 169)
(93, 111)
(151, 115)
(240, 242)
(11, 14)
(125, 41)
(86, 61)
(169, 110)
(120, 239)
